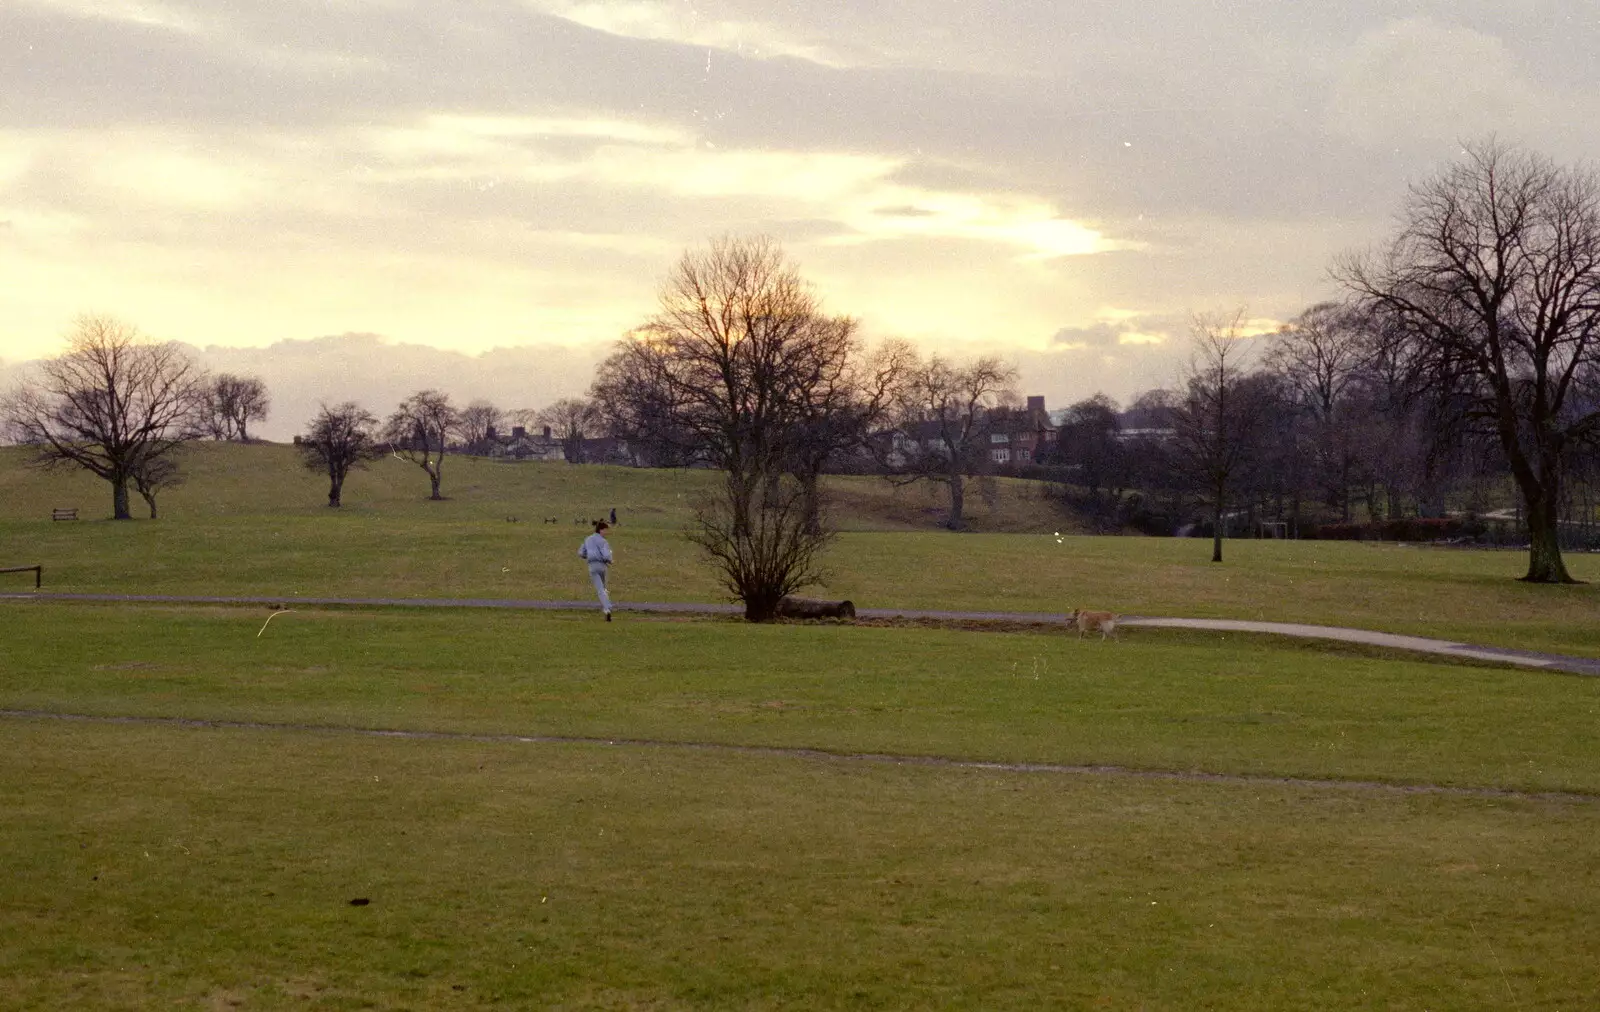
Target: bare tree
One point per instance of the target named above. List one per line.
(844, 398)
(151, 477)
(524, 417)
(637, 400)
(113, 402)
(420, 431)
(1217, 419)
(477, 421)
(1323, 355)
(766, 551)
(338, 439)
(1493, 284)
(943, 437)
(572, 419)
(1321, 352)
(231, 403)
(1089, 442)
(725, 373)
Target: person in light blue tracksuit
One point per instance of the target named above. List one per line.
(596, 551)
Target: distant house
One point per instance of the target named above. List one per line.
(1015, 437)
(519, 445)
(1157, 434)
(612, 450)
(1153, 423)
(1018, 438)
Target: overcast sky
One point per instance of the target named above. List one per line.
(1065, 182)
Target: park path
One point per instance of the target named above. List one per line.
(1416, 644)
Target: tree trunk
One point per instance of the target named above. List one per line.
(760, 608)
(119, 499)
(433, 477)
(335, 485)
(1216, 527)
(739, 505)
(1544, 543)
(1344, 492)
(813, 504)
(958, 500)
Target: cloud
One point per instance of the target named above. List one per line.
(378, 373)
(1418, 79)
(685, 24)
(493, 172)
(1118, 328)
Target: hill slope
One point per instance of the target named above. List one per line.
(227, 479)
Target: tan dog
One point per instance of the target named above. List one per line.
(1090, 621)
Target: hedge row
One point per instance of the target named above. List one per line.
(1402, 529)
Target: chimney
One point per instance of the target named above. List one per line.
(547, 432)
(518, 432)
(489, 432)
(1036, 404)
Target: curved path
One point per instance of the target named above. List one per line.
(1418, 644)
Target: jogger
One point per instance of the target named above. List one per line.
(596, 551)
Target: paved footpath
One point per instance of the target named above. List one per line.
(1418, 644)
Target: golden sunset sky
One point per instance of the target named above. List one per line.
(485, 193)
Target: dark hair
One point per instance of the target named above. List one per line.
(600, 525)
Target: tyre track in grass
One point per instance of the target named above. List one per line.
(826, 755)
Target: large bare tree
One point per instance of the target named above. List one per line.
(231, 403)
(943, 436)
(1493, 285)
(336, 440)
(420, 431)
(113, 403)
(728, 372)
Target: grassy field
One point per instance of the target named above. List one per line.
(250, 523)
(214, 869)
(159, 866)
(231, 481)
(1227, 822)
(1159, 699)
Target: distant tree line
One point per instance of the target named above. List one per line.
(1463, 364)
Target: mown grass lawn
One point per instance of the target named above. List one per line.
(1157, 699)
(160, 868)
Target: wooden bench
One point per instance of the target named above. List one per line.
(64, 514)
(38, 573)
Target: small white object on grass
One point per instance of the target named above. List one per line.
(274, 615)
